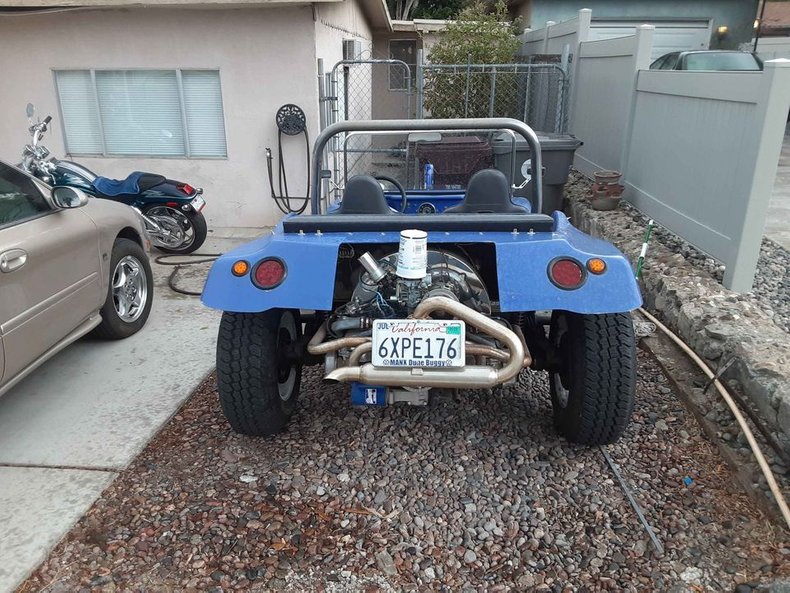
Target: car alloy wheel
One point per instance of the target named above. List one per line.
(129, 289)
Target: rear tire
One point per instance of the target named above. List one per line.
(258, 384)
(593, 393)
(191, 222)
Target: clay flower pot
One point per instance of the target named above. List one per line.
(603, 200)
(607, 177)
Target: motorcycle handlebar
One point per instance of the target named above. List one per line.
(47, 119)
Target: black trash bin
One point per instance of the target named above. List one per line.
(557, 151)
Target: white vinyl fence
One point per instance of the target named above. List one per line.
(770, 48)
(698, 150)
(702, 157)
(533, 42)
(556, 38)
(605, 75)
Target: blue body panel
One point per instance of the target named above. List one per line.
(522, 261)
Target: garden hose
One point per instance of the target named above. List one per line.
(728, 399)
(755, 447)
(162, 260)
(290, 121)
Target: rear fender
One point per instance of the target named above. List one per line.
(522, 261)
(524, 284)
(169, 191)
(308, 284)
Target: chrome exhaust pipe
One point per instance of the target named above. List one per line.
(463, 378)
(466, 377)
(317, 346)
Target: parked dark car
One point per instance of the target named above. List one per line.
(716, 60)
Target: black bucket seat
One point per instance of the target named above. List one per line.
(488, 192)
(363, 195)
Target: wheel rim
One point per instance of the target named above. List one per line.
(561, 330)
(129, 289)
(286, 369)
(180, 228)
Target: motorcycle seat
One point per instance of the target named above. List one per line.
(133, 184)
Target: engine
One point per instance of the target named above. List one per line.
(381, 293)
(391, 362)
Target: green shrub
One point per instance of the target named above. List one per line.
(479, 36)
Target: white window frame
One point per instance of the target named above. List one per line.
(178, 71)
(412, 67)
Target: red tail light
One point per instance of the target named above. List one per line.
(187, 189)
(268, 273)
(566, 273)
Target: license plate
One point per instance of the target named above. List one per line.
(198, 203)
(418, 343)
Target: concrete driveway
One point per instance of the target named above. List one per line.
(67, 430)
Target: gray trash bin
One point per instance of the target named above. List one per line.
(557, 151)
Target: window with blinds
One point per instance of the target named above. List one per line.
(167, 113)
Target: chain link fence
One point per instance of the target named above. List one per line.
(533, 93)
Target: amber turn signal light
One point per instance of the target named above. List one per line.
(240, 268)
(596, 266)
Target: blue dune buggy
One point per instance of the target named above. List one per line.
(397, 293)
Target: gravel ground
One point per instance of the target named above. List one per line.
(475, 496)
(771, 288)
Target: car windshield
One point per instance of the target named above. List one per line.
(721, 61)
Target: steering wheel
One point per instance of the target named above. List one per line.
(404, 202)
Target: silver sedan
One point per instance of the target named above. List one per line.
(69, 265)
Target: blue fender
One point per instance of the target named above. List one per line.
(522, 270)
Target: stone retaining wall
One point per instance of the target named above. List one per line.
(717, 324)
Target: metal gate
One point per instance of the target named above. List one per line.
(363, 89)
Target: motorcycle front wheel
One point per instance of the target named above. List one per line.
(185, 231)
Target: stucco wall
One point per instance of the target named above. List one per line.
(266, 58)
(336, 22)
(738, 15)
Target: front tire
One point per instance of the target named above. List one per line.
(258, 377)
(130, 292)
(593, 393)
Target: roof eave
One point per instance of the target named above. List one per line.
(377, 14)
(420, 25)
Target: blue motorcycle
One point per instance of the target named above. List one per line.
(172, 210)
